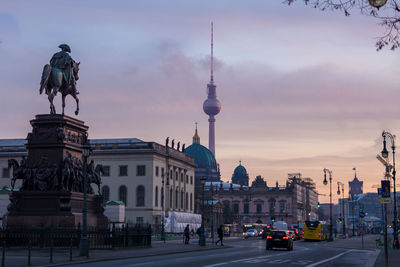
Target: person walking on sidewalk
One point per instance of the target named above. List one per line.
(187, 234)
(220, 233)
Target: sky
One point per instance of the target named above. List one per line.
(301, 89)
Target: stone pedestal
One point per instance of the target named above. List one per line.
(52, 189)
(54, 210)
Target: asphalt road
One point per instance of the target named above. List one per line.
(253, 253)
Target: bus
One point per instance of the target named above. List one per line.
(315, 230)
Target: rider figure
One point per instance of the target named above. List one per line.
(63, 61)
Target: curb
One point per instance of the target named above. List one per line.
(131, 257)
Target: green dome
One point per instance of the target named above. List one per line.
(203, 157)
(240, 171)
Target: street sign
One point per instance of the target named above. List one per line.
(385, 200)
(362, 214)
(385, 188)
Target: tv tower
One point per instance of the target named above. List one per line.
(211, 106)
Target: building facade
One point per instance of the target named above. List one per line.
(134, 172)
(293, 203)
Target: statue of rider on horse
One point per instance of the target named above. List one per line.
(60, 76)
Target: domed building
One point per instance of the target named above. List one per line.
(240, 175)
(206, 164)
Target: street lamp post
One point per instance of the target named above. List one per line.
(343, 213)
(212, 213)
(330, 201)
(202, 241)
(385, 155)
(83, 243)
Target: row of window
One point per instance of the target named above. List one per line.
(123, 194)
(123, 170)
(259, 210)
(140, 197)
(176, 176)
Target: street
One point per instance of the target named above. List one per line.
(252, 253)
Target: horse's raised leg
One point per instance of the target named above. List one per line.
(77, 103)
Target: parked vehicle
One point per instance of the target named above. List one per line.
(279, 239)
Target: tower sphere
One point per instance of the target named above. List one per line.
(211, 106)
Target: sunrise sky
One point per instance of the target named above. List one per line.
(301, 90)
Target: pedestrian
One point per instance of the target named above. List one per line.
(187, 234)
(198, 232)
(220, 233)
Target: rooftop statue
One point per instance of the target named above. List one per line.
(60, 76)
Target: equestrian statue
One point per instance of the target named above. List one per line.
(60, 76)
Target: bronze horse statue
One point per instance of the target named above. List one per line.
(53, 81)
(18, 172)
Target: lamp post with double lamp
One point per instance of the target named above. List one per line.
(330, 201)
(385, 155)
(202, 241)
(343, 214)
(83, 243)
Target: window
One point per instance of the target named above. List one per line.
(246, 208)
(139, 220)
(182, 177)
(187, 179)
(105, 191)
(123, 170)
(122, 194)
(140, 196)
(170, 198)
(106, 170)
(235, 208)
(182, 194)
(6, 173)
(191, 201)
(156, 197)
(176, 198)
(162, 172)
(162, 197)
(186, 201)
(156, 170)
(191, 179)
(176, 176)
(282, 207)
(259, 208)
(141, 170)
(272, 206)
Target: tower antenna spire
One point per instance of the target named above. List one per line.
(212, 52)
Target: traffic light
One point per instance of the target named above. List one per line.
(318, 205)
(272, 219)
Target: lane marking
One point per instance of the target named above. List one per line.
(329, 259)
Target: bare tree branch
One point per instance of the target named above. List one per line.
(388, 16)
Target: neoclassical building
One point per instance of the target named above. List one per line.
(134, 171)
(293, 203)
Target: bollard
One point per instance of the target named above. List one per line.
(3, 258)
(29, 253)
(51, 250)
(70, 249)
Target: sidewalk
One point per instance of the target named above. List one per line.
(354, 243)
(393, 258)
(41, 257)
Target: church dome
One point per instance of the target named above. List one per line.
(240, 171)
(202, 156)
(240, 175)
